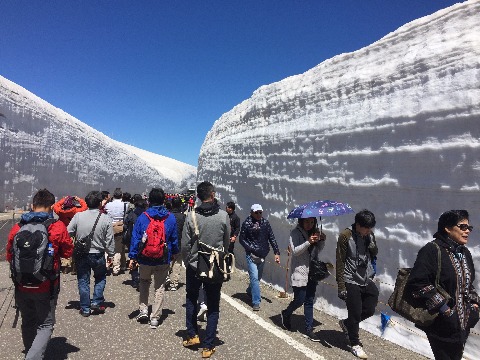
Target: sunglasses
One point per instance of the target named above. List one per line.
(465, 227)
(258, 212)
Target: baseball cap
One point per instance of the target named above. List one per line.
(256, 207)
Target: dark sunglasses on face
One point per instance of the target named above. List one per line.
(465, 227)
(258, 212)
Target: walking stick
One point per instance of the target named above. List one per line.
(283, 294)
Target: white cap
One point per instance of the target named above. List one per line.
(256, 207)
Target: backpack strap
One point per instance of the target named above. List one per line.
(439, 265)
(194, 219)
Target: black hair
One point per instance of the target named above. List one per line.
(117, 193)
(313, 230)
(450, 218)
(156, 197)
(176, 203)
(136, 198)
(204, 190)
(231, 205)
(365, 219)
(94, 199)
(127, 197)
(43, 198)
(168, 205)
(105, 194)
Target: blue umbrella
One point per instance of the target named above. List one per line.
(320, 208)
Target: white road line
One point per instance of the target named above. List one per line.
(272, 329)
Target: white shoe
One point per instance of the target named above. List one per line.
(202, 312)
(357, 350)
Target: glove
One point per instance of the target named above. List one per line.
(342, 295)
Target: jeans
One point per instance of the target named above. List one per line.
(38, 319)
(159, 273)
(85, 264)
(361, 303)
(255, 272)
(304, 295)
(212, 292)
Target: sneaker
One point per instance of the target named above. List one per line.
(202, 312)
(256, 307)
(97, 309)
(344, 329)
(286, 323)
(84, 314)
(310, 335)
(167, 282)
(153, 323)
(142, 317)
(206, 352)
(173, 287)
(357, 350)
(191, 341)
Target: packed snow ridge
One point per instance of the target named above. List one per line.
(392, 127)
(43, 146)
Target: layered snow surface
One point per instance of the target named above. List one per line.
(393, 127)
(43, 146)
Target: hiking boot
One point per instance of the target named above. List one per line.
(142, 317)
(153, 323)
(97, 309)
(344, 329)
(310, 335)
(286, 322)
(202, 313)
(357, 350)
(191, 341)
(206, 352)
(256, 307)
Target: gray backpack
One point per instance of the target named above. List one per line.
(32, 254)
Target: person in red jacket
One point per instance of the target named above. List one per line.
(66, 208)
(37, 303)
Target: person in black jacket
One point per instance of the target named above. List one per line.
(174, 273)
(132, 215)
(449, 332)
(256, 236)
(234, 224)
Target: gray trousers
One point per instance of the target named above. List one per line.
(38, 319)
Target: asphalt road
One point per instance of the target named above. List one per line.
(242, 334)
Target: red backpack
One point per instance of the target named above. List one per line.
(153, 245)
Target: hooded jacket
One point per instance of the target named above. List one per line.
(255, 237)
(214, 230)
(171, 237)
(457, 276)
(58, 236)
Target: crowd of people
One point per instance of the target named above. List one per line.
(152, 235)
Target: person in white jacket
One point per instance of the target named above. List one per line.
(305, 240)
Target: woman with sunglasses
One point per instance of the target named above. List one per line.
(305, 240)
(458, 312)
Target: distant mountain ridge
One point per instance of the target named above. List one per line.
(43, 146)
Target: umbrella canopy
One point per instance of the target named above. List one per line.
(320, 208)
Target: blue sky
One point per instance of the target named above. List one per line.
(157, 74)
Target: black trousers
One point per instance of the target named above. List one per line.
(443, 350)
(361, 303)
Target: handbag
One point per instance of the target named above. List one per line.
(404, 305)
(214, 265)
(82, 246)
(317, 270)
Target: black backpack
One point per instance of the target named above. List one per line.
(32, 254)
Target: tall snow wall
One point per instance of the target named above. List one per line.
(393, 127)
(42, 146)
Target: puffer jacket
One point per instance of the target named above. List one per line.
(299, 246)
(255, 237)
(457, 276)
(171, 237)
